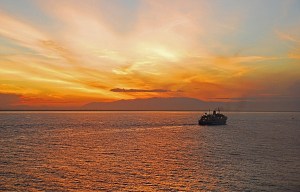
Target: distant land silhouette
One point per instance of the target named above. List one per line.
(176, 103)
(185, 103)
(10, 102)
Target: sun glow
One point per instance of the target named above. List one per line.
(80, 50)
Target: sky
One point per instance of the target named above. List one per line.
(72, 52)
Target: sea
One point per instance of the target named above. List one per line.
(148, 151)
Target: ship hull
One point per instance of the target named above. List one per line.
(212, 122)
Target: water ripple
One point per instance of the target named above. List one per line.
(148, 151)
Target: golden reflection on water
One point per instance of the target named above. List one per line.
(89, 159)
(133, 160)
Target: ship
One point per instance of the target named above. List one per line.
(216, 118)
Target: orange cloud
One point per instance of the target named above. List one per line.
(169, 45)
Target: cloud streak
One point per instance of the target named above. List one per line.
(140, 90)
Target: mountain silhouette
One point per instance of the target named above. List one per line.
(174, 103)
(161, 104)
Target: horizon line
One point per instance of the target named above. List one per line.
(58, 110)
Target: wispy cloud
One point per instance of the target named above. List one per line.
(287, 37)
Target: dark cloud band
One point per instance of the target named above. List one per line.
(139, 90)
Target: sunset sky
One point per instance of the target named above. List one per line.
(72, 52)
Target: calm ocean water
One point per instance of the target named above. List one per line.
(148, 151)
